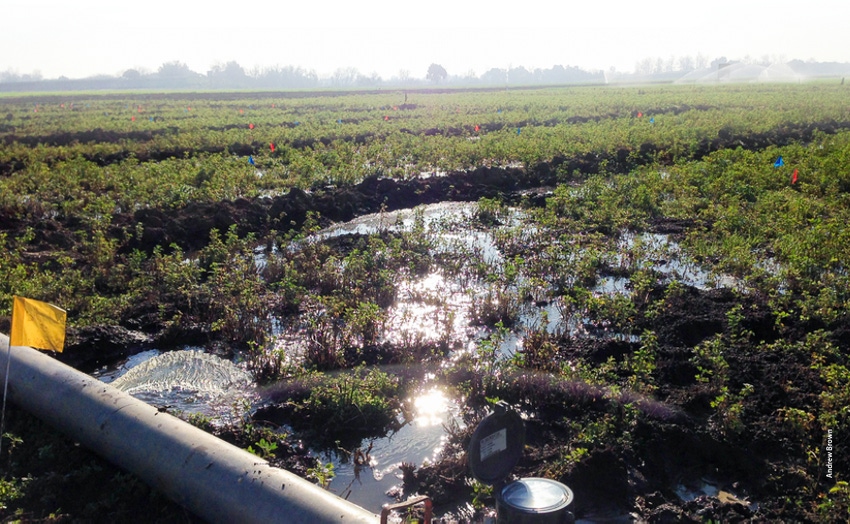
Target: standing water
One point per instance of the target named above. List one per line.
(427, 307)
(419, 440)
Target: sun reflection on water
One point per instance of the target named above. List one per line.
(431, 408)
(429, 309)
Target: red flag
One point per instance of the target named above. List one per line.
(132, 119)
(794, 177)
(241, 112)
(640, 114)
(477, 128)
(271, 146)
(386, 118)
(250, 126)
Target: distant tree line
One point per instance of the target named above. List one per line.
(231, 75)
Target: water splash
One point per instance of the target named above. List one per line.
(190, 381)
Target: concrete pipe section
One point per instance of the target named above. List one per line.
(215, 480)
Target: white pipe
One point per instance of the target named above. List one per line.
(215, 480)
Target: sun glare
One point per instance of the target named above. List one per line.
(430, 408)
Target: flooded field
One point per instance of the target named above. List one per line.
(654, 278)
(436, 308)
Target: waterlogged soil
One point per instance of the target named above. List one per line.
(674, 447)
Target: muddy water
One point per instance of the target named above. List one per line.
(427, 308)
(197, 383)
(419, 440)
(436, 305)
(667, 257)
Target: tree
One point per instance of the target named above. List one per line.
(230, 74)
(345, 76)
(176, 70)
(520, 75)
(495, 76)
(288, 76)
(436, 73)
(645, 67)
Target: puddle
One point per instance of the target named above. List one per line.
(666, 256)
(428, 309)
(419, 440)
(439, 307)
(437, 173)
(403, 219)
(691, 492)
(109, 374)
(705, 488)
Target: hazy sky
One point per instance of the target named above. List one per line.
(85, 37)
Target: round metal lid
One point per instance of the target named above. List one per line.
(536, 495)
(497, 445)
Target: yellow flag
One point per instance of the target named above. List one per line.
(37, 324)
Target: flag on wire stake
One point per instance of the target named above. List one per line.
(36, 324)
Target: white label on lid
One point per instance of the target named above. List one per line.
(492, 444)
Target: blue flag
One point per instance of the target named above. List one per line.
(779, 162)
(518, 130)
(652, 120)
(251, 160)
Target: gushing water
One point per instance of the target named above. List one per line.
(190, 381)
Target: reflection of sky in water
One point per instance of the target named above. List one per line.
(420, 440)
(427, 310)
(399, 220)
(668, 258)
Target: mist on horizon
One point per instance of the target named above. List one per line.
(51, 39)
